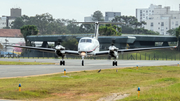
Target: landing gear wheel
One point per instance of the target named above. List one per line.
(63, 62)
(60, 63)
(82, 62)
(113, 63)
(116, 63)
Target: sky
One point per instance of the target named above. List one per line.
(78, 9)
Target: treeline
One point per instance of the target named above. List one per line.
(46, 24)
(132, 26)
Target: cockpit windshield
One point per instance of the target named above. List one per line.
(86, 41)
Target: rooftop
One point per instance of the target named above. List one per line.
(10, 33)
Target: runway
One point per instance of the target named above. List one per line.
(7, 71)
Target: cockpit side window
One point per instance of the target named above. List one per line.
(89, 40)
(83, 40)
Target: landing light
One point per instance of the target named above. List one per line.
(83, 53)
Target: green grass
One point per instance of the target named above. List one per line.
(22, 63)
(156, 83)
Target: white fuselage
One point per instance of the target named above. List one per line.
(88, 46)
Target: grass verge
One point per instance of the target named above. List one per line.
(160, 83)
(22, 63)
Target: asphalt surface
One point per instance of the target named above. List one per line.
(7, 71)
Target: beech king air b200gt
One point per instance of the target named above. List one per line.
(90, 46)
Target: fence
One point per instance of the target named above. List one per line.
(129, 56)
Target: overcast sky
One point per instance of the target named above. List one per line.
(78, 9)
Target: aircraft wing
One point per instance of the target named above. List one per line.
(135, 49)
(102, 53)
(99, 22)
(149, 48)
(51, 50)
(70, 52)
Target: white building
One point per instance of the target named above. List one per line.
(88, 19)
(144, 13)
(7, 20)
(2, 22)
(109, 16)
(161, 19)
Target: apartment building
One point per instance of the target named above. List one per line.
(158, 18)
(109, 16)
(143, 14)
(2, 22)
(5, 21)
(88, 19)
(163, 19)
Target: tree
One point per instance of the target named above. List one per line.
(70, 43)
(109, 30)
(72, 27)
(98, 16)
(86, 28)
(46, 24)
(28, 30)
(172, 32)
(17, 24)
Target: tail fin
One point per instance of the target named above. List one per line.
(96, 33)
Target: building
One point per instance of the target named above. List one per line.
(88, 19)
(10, 37)
(144, 13)
(5, 21)
(15, 12)
(163, 20)
(109, 16)
(158, 18)
(2, 22)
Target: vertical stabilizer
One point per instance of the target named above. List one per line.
(96, 33)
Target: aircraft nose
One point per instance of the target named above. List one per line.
(83, 49)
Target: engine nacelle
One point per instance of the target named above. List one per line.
(113, 51)
(59, 47)
(59, 50)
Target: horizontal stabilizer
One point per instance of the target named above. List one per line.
(99, 22)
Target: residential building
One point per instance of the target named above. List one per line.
(88, 19)
(144, 13)
(159, 19)
(163, 19)
(109, 16)
(5, 21)
(2, 22)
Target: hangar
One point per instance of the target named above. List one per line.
(134, 41)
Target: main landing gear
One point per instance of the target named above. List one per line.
(62, 62)
(114, 63)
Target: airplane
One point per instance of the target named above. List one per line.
(89, 46)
